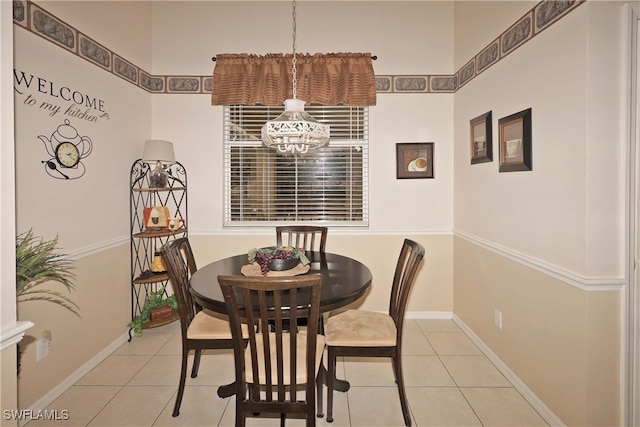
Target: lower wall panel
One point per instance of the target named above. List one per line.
(561, 341)
(103, 294)
(433, 288)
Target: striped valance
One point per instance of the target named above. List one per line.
(323, 79)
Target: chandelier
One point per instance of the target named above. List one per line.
(294, 131)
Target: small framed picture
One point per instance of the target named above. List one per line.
(515, 142)
(481, 141)
(414, 160)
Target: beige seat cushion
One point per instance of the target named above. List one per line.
(360, 328)
(208, 325)
(301, 372)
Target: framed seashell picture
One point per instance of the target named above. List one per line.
(481, 139)
(515, 142)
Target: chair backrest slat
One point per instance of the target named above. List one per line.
(178, 257)
(411, 256)
(308, 237)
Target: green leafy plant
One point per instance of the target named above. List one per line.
(154, 300)
(37, 261)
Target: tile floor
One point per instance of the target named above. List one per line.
(449, 383)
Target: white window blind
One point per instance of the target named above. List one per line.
(329, 185)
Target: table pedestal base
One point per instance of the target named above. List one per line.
(229, 390)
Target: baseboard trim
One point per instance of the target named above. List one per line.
(529, 395)
(428, 315)
(66, 384)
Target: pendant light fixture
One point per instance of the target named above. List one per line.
(294, 131)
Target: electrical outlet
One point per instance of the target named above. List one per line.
(497, 318)
(43, 345)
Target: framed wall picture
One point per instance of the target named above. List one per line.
(414, 160)
(481, 140)
(515, 142)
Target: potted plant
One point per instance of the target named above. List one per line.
(155, 301)
(37, 262)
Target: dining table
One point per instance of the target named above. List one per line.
(344, 281)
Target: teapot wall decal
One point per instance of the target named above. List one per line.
(67, 148)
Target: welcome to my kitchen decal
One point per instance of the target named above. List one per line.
(65, 146)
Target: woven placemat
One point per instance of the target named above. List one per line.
(254, 270)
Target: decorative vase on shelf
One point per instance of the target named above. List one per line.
(157, 265)
(159, 177)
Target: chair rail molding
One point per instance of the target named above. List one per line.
(14, 334)
(580, 282)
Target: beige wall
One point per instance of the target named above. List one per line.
(432, 292)
(9, 386)
(195, 126)
(89, 214)
(527, 242)
(547, 247)
(103, 295)
(478, 23)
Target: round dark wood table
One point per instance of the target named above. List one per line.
(344, 280)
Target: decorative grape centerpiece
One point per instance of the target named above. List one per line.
(277, 258)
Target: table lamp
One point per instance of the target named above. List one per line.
(161, 153)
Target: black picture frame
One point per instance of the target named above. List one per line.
(414, 160)
(515, 142)
(481, 138)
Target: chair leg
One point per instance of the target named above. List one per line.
(183, 377)
(397, 368)
(196, 363)
(241, 418)
(319, 383)
(331, 375)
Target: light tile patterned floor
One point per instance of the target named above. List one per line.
(449, 383)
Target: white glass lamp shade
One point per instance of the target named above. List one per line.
(294, 131)
(157, 150)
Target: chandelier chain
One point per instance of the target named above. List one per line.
(294, 59)
(294, 132)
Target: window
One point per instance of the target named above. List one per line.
(328, 185)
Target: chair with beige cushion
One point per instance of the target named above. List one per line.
(200, 328)
(362, 333)
(309, 237)
(277, 373)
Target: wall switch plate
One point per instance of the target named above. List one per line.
(43, 345)
(497, 318)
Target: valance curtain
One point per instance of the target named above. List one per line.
(325, 79)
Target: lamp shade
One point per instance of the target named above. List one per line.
(157, 150)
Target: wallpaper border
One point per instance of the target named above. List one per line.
(46, 25)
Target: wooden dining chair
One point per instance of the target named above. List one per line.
(309, 237)
(200, 329)
(278, 362)
(362, 333)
